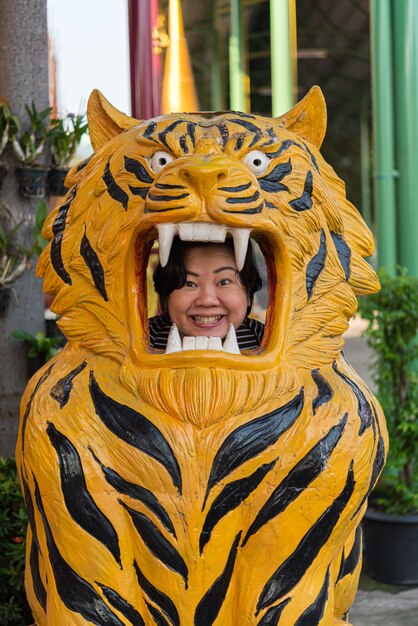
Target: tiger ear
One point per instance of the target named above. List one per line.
(105, 121)
(308, 118)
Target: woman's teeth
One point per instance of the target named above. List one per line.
(206, 319)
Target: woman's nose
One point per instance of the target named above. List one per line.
(207, 296)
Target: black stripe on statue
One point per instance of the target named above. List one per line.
(314, 613)
(83, 164)
(62, 389)
(38, 585)
(298, 479)
(135, 429)
(243, 199)
(139, 191)
(75, 592)
(122, 605)
(273, 615)
(95, 267)
(325, 391)
(158, 597)
(149, 130)
(78, 499)
(163, 135)
(168, 198)
(239, 144)
(209, 606)
(273, 181)
(378, 464)
(252, 438)
(304, 203)
(113, 188)
(29, 404)
(230, 497)
(249, 126)
(283, 147)
(168, 186)
(291, 571)
(158, 618)
(157, 543)
(364, 408)
(138, 170)
(241, 114)
(191, 132)
(183, 144)
(223, 131)
(137, 493)
(349, 564)
(316, 265)
(254, 211)
(236, 189)
(313, 159)
(58, 228)
(344, 253)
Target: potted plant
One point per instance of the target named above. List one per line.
(9, 125)
(40, 348)
(66, 134)
(15, 258)
(391, 523)
(13, 261)
(28, 148)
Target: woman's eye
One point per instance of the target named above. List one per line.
(189, 283)
(257, 162)
(159, 160)
(225, 281)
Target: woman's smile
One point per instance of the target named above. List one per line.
(212, 297)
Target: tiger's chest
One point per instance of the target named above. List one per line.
(157, 505)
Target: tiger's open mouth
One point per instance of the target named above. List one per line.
(211, 347)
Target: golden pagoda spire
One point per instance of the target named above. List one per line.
(178, 90)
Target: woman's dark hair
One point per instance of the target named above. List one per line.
(173, 275)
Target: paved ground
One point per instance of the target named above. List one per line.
(376, 604)
(380, 608)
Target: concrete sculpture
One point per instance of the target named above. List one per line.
(200, 487)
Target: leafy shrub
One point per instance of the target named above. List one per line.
(14, 609)
(392, 334)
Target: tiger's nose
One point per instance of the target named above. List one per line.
(204, 176)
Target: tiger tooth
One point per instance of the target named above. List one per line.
(202, 343)
(231, 343)
(189, 343)
(202, 231)
(215, 343)
(166, 234)
(186, 231)
(173, 341)
(240, 237)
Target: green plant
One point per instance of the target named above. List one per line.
(15, 258)
(39, 345)
(31, 144)
(392, 334)
(14, 610)
(9, 125)
(66, 134)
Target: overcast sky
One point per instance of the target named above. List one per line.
(90, 40)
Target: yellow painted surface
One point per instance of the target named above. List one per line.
(88, 448)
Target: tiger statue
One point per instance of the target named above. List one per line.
(200, 487)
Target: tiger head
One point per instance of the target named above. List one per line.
(207, 177)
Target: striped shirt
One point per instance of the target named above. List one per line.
(249, 334)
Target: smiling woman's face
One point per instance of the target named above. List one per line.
(212, 298)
